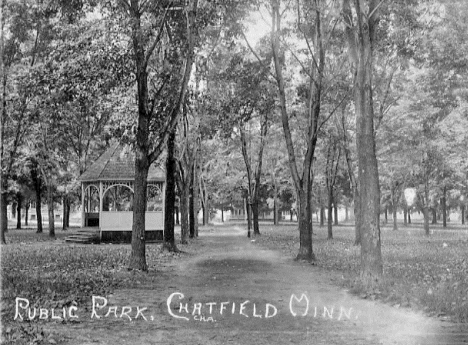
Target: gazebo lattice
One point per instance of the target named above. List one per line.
(107, 196)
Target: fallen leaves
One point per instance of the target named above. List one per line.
(56, 275)
(425, 273)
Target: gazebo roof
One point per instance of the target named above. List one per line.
(118, 163)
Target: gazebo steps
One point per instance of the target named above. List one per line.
(84, 237)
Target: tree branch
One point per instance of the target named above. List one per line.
(157, 39)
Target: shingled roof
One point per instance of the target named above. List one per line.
(118, 163)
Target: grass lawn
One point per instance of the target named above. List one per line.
(424, 273)
(52, 274)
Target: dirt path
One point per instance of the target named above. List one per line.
(238, 293)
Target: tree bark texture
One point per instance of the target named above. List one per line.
(138, 253)
(19, 206)
(302, 183)
(394, 211)
(444, 207)
(170, 197)
(361, 55)
(143, 156)
(50, 210)
(65, 203)
(426, 209)
(3, 217)
(322, 216)
(37, 181)
(26, 213)
(330, 217)
(191, 212)
(463, 214)
(3, 184)
(352, 180)
(184, 214)
(196, 190)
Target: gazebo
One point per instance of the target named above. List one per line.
(107, 196)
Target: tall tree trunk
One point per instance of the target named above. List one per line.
(3, 184)
(409, 216)
(19, 206)
(176, 213)
(204, 222)
(37, 181)
(329, 217)
(302, 183)
(361, 55)
(322, 216)
(255, 216)
(207, 214)
(170, 197)
(275, 209)
(143, 157)
(26, 213)
(386, 214)
(305, 224)
(64, 211)
(462, 214)
(426, 220)
(3, 216)
(426, 210)
(204, 201)
(196, 191)
(248, 212)
(142, 164)
(138, 253)
(444, 207)
(184, 214)
(357, 216)
(50, 210)
(434, 215)
(191, 212)
(394, 211)
(67, 224)
(352, 180)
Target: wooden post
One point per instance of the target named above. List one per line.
(82, 205)
(101, 202)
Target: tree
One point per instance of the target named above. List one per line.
(25, 34)
(361, 25)
(317, 20)
(169, 236)
(333, 155)
(188, 146)
(246, 108)
(171, 49)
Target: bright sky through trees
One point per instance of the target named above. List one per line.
(257, 26)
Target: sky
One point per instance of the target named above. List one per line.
(257, 26)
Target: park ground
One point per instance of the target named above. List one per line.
(247, 290)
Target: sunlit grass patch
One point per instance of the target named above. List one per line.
(427, 273)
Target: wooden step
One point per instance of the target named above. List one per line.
(83, 237)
